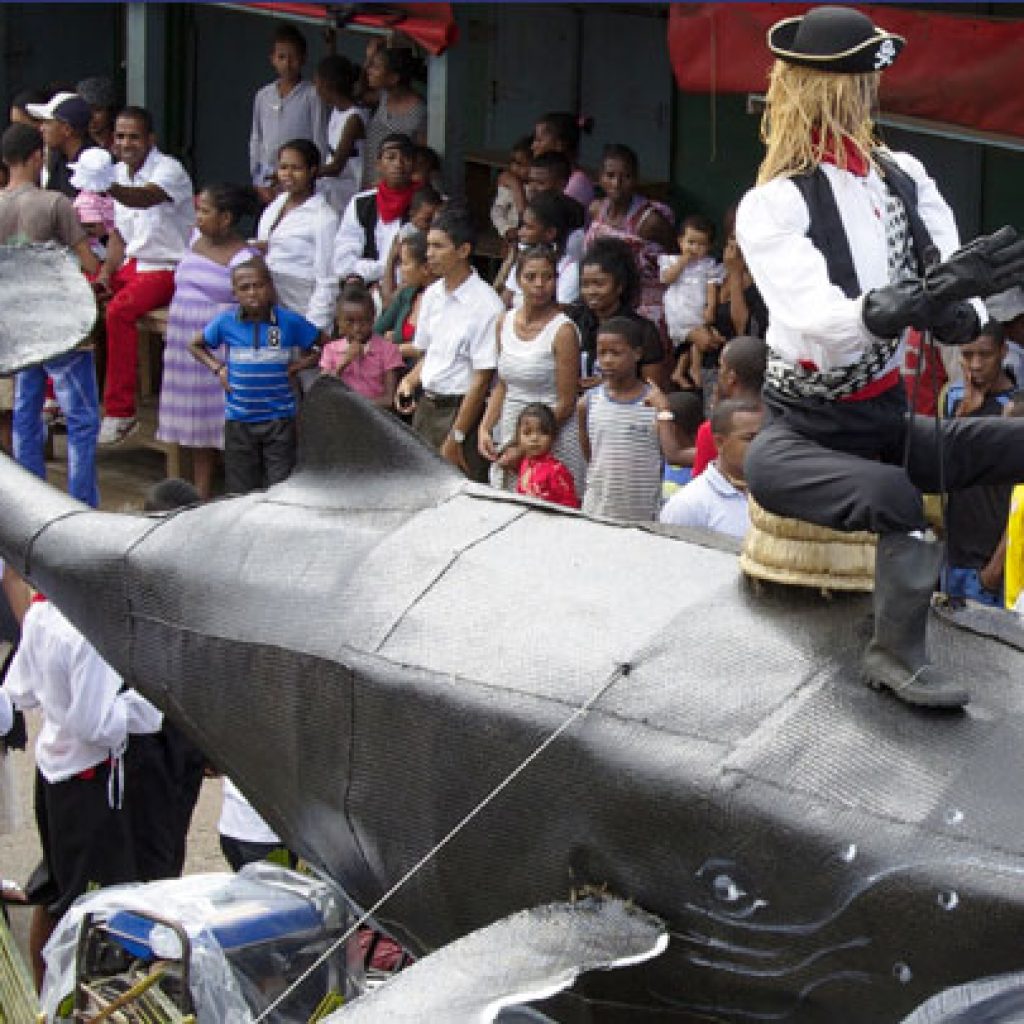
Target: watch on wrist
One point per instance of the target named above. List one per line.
(666, 415)
(457, 435)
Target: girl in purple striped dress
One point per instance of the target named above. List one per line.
(191, 398)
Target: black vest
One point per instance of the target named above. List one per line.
(826, 227)
(366, 214)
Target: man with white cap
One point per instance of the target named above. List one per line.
(64, 122)
(851, 244)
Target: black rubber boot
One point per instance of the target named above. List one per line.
(906, 571)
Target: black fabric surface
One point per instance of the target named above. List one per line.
(372, 646)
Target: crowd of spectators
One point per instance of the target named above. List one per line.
(614, 364)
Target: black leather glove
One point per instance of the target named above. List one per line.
(890, 310)
(989, 264)
(958, 324)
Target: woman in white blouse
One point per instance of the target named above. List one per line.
(297, 233)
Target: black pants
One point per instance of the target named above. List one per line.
(257, 455)
(840, 464)
(163, 776)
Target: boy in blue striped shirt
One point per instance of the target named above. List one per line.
(265, 346)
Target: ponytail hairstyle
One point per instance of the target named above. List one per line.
(237, 200)
(306, 149)
(551, 209)
(358, 294)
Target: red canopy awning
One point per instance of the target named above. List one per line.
(430, 25)
(965, 71)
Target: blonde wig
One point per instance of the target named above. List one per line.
(809, 112)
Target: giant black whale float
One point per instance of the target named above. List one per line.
(374, 646)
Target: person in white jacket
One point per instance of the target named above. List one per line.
(297, 233)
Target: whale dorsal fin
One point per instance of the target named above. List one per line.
(354, 456)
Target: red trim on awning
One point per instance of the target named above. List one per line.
(429, 24)
(956, 69)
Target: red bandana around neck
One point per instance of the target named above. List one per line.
(856, 163)
(393, 203)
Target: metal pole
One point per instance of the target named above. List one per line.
(135, 31)
(437, 102)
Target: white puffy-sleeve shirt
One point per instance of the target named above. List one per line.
(810, 319)
(86, 714)
(301, 244)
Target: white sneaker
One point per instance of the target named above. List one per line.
(114, 429)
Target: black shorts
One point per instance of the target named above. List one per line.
(86, 843)
(162, 778)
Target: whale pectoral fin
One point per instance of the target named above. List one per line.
(49, 308)
(527, 956)
(355, 456)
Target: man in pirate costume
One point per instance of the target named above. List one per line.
(851, 244)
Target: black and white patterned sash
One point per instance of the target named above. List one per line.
(798, 382)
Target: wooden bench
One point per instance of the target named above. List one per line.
(152, 335)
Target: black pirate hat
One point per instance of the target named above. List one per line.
(838, 39)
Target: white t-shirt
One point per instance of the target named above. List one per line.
(340, 189)
(687, 296)
(239, 820)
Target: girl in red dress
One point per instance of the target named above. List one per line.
(541, 475)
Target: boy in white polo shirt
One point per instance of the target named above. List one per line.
(456, 334)
(717, 499)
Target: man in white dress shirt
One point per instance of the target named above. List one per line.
(850, 245)
(154, 213)
(456, 334)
